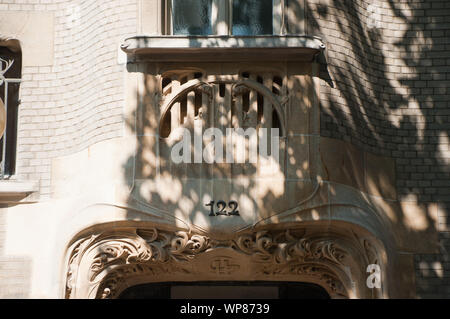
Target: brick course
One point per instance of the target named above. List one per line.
(386, 89)
(66, 107)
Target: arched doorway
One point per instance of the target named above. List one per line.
(226, 290)
(105, 264)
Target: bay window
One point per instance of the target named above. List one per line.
(224, 17)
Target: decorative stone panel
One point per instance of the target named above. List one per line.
(103, 264)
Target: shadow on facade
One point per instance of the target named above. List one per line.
(367, 99)
(385, 90)
(15, 279)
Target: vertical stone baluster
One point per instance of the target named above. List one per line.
(175, 111)
(178, 170)
(205, 108)
(212, 108)
(222, 186)
(163, 153)
(200, 124)
(228, 108)
(190, 114)
(220, 115)
(209, 105)
(252, 122)
(266, 124)
(237, 122)
(204, 170)
(252, 118)
(238, 111)
(220, 123)
(189, 123)
(266, 121)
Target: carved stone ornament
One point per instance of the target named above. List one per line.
(238, 88)
(100, 264)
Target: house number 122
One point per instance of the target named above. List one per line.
(221, 205)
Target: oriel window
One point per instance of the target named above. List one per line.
(224, 17)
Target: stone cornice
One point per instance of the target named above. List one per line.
(15, 191)
(222, 48)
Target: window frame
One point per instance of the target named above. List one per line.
(8, 142)
(222, 17)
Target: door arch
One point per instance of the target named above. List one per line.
(103, 264)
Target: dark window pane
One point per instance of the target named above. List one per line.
(252, 17)
(191, 17)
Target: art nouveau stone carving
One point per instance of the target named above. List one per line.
(225, 96)
(292, 224)
(232, 88)
(101, 264)
(224, 266)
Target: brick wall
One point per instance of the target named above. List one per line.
(77, 101)
(67, 106)
(14, 271)
(386, 89)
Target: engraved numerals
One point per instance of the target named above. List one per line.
(222, 206)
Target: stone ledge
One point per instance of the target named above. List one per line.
(15, 191)
(222, 48)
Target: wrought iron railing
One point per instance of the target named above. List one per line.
(5, 65)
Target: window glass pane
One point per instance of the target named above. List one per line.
(191, 17)
(252, 17)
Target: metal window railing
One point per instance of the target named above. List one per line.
(5, 65)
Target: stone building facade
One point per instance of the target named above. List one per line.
(360, 94)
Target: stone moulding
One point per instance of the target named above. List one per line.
(222, 48)
(100, 264)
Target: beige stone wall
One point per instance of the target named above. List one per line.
(385, 90)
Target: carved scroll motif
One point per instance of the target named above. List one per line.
(112, 257)
(132, 248)
(148, 246)
(285, 248)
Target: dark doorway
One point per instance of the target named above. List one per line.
(226, 290)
